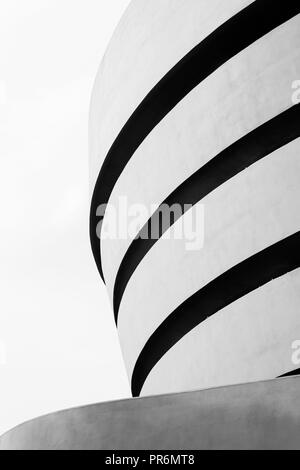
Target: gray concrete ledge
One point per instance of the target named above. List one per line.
(262, 415)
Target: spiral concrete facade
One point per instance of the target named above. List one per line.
(196, 102)
(193, 104)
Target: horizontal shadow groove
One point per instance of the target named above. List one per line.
(290, 374)
(245, 277)
(256, 145)
(239, 32)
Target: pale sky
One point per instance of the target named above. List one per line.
(58, 343)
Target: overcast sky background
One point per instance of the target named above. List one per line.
(56, 326)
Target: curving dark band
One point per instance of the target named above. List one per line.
(225, 42)
(290, 374)
(251, 148)
(245, 277)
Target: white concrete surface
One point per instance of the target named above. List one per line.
(247, 341)
(254, 210)
(147, 43)
(248, 213)
(244, 93)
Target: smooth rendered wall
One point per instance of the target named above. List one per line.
(263, 415)
(241, 110)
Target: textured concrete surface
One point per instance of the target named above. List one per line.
(264, 415)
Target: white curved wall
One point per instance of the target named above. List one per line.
(251, 338)
(230, 104)
(149, 40)
(247, 341)
(242, 217)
